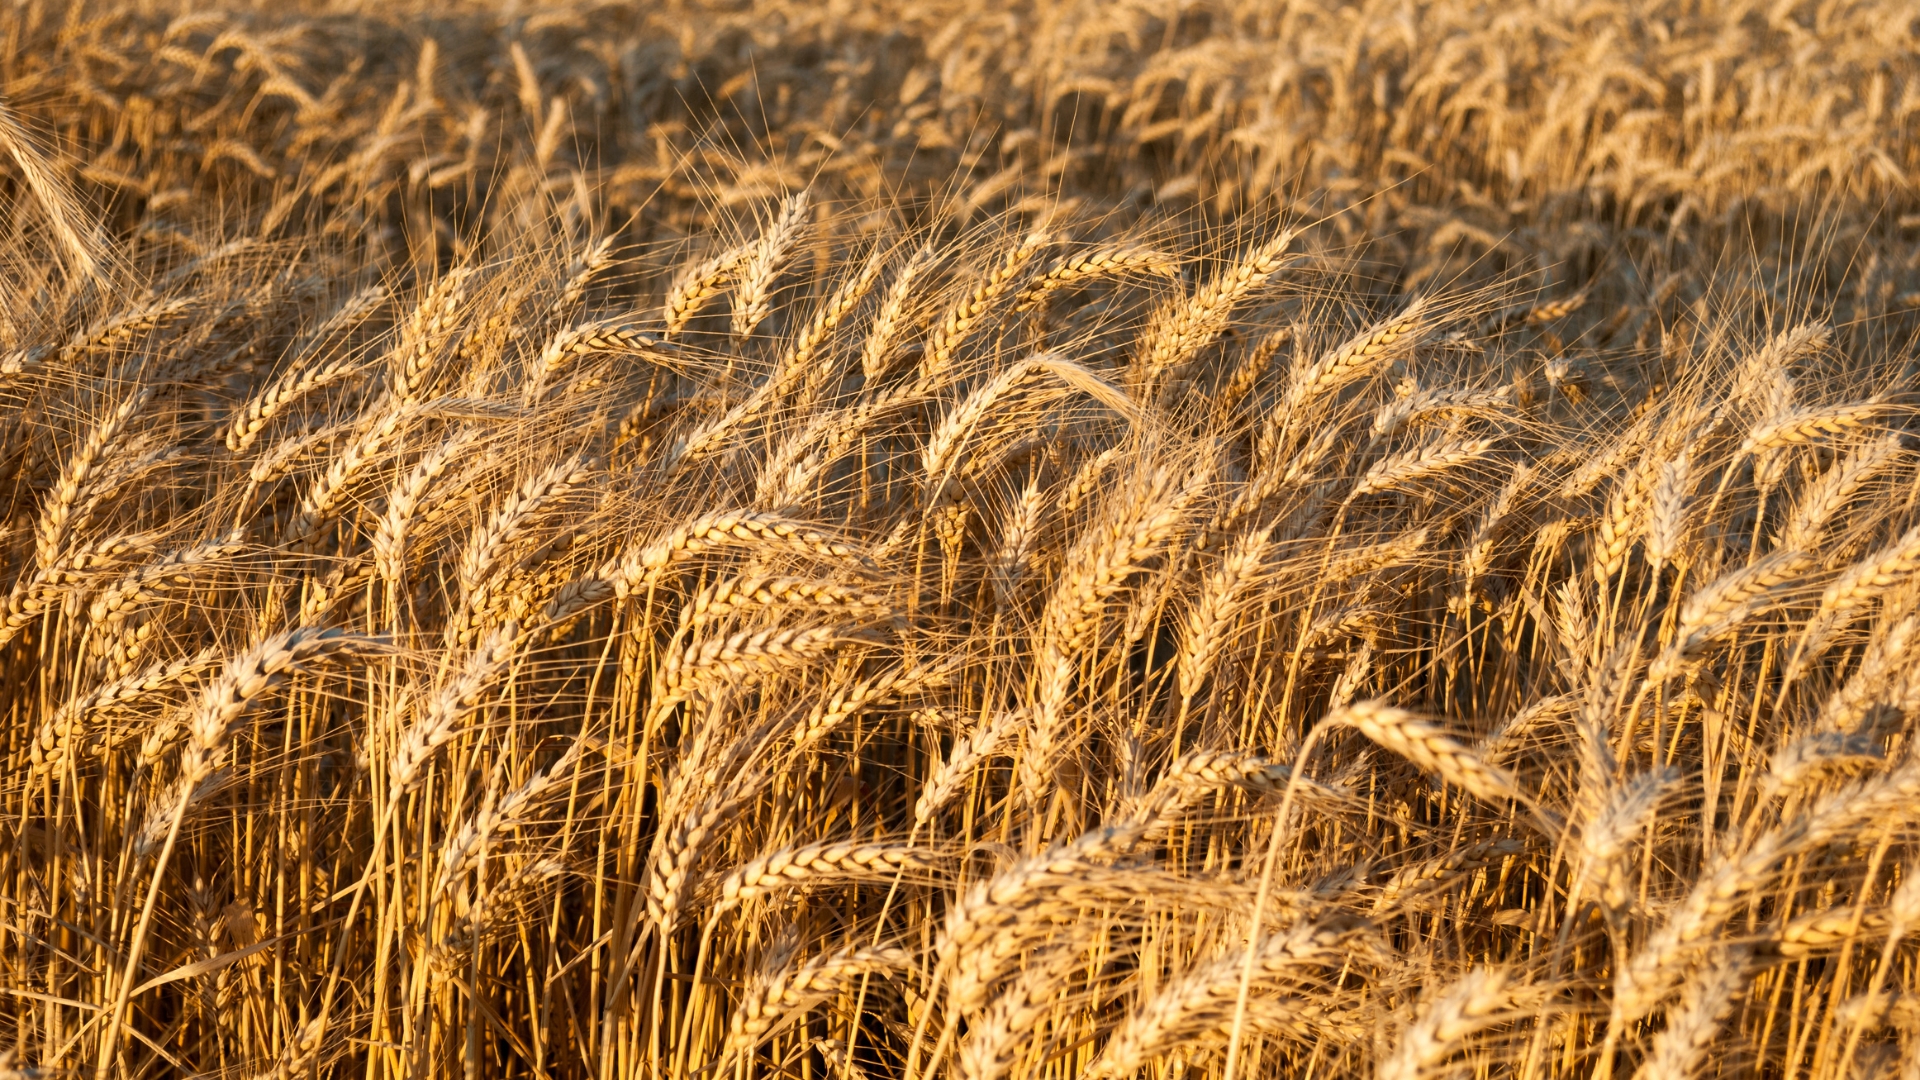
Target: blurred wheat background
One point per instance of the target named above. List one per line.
(904, 539)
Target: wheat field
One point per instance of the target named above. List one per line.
(977, 539)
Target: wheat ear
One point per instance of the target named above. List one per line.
(159, 577)
(753, 295)
(698, 284)
(645, 564)
(844, 299)
(64, 731)
(78, 476)
(1411, 466)
(949, 777)
(1605, 834)
(64, 211)
(849, 700)
(404, 501)
(1087, 266)
(778, 997)
(1223, 593)
(953, 328)
(1796, 427)
(797, 867)
(1649, 973)
(1725, 603)
(1472, 1003)
(428, 328)
(1200, 1002)
(1361, 356)
(209, 729)
(1858, 586)
(450, 703)
(372, 436)
(1177, 332)
(877, 352)
(1431, 749)
(457, 854)
(1815, 509)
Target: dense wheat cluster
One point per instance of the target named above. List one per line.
(906, 539)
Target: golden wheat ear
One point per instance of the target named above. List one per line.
(1433, 749)
(72, 228)
(753, 294)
